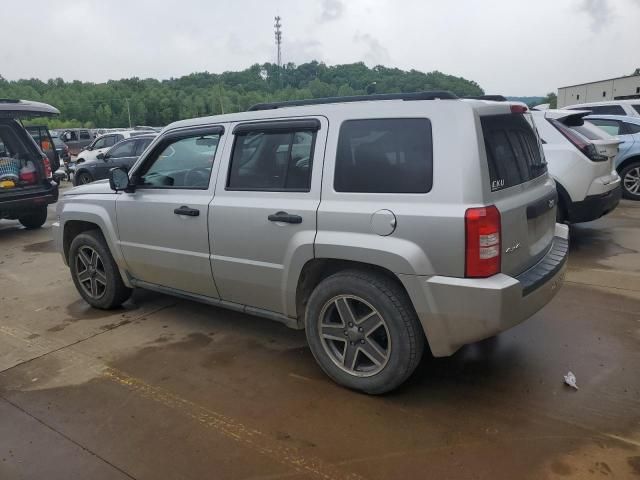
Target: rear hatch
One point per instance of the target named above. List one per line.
(520, 188)
(593, 142)
(23, 166)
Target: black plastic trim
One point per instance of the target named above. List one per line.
(546, 268)
(428, 95)
(306, 124)
(594, 206)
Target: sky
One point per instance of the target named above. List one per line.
(510, 47)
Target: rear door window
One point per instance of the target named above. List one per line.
(608, 110)
(631, 128)
(612, 127)
(85, 135)
(513, 150)
(391, 155)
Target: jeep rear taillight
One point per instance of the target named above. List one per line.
(47, 167)
(482, 249)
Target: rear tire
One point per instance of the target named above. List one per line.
(630, 176)
(35, 219)
(95, 272)
(382, 344)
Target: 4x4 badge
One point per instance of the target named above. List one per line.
(513, 248)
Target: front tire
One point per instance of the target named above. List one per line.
(35, 219)
(630, 176)
(363, 331)
(95, 273)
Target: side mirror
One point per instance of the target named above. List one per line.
(118, 179)
(101, 156)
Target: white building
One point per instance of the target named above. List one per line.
(612, 89)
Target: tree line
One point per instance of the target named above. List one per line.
(159, 102)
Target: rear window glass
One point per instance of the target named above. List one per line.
(587, 132)
(513, 150)
(612, 127)
(384, 156)
(636, 107)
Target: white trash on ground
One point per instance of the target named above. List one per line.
(570, 379)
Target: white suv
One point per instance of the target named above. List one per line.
(630, 108)
(105, 142)
(580, 159)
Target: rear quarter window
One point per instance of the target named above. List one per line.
(391, 155)
(513, 151)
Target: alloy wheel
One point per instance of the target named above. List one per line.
(354, 335)
(90, 272)
(631, 181)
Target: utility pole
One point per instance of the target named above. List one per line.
(128, 111)
(278, 34)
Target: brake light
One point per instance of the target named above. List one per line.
(518, 109)
(578, 141)
(482, 250)
(47, 167)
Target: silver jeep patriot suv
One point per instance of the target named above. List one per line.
(378, 224)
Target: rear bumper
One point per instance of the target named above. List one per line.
(458, 311)
(13, 206)
(594, 206)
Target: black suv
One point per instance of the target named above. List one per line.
(26, 177)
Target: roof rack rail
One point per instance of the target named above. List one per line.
(428, 95)
(495, 98)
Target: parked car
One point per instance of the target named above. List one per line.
(104, 142)
(627, 163)
(76, 139)
(26, 179)
(612, 107)
(580, 159)
(45, 141)
(347, 217)
(122, 154)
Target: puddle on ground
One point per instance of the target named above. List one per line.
(40, 247)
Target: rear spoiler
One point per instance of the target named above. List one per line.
(570, 118)
(493, 98)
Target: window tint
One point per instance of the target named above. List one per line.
(182, 163)
(384, 156)
(636, 107)
(513, 152)
(608, 110)
(73, 136)
(632, 128)
(124, 149)
(84, 135)
(278, 160)
(612, 127)
(101, 143)
(142, 144)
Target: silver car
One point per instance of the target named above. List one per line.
(382, 225)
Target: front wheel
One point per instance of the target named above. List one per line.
(631, 181)
(363, 331)
(95, 272)
(34, 219)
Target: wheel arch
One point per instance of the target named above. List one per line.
(317, 269)
(93, 217)
(626, 162)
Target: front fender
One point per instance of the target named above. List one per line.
(99, 211)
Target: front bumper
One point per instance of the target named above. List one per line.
(457, 311)
(594, 206)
